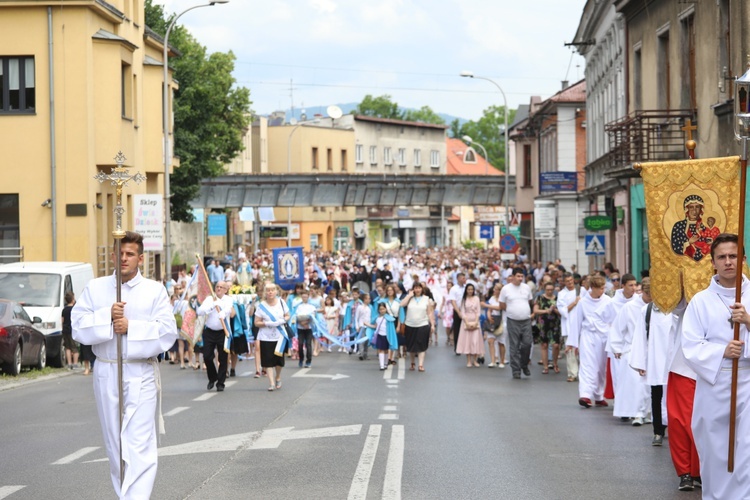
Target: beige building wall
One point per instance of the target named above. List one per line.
(98, 53)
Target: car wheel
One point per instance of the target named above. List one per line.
(57, 361)
(41, 360)
(14, 368)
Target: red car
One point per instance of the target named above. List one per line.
(20, 343)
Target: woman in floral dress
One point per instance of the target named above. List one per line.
(470, 341)
(548, 321)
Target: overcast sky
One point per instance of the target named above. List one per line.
(337, 51)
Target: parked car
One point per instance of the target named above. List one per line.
(40, 288)
(20, 343)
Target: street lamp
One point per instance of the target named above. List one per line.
(469, 74)
(165, 130)
(468, 140)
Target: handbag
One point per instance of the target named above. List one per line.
(401, 330)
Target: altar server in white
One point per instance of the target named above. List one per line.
(631, 394)
(620, 298)
(144, 319)
(709, 349)
(588, 332)
(566, 303)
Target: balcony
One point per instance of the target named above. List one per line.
(645, 136)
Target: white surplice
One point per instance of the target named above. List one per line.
(589, 327)
(632, 396)
(151, 331)
(706, 333)
(618, 302)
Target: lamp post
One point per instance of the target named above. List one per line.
(469, 74)
(165, 130)
(468, 140)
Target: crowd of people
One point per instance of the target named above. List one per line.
(659, 367)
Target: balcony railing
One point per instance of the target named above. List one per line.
(644, 136)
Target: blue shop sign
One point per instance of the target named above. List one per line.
(558, 181)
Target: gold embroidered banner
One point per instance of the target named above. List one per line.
(688, 203)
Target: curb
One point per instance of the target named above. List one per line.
(44, 378)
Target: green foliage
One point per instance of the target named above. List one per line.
(487, 132)
(379, 107)
(425, 114)
(472, 244)
(210, 112)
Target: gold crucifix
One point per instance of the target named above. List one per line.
(690, 144)
(119, 178)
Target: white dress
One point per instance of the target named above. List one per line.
(151, 331)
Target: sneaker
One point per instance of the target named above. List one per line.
(637, 422)
(657, 441)
(686, 483)
(697, 482)
(307, 365)
(501, 365)
(527, 372)
(585, 402)
(517, 375)
(602, 404)
(490, 365)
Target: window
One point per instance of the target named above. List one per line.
(17, 85)
(344, 161)
(402, 157)
(435, 158)
(689, 100)
(10, 240)
(373, 156)
(417, 157)
(637, 80)
(329, 159)
(663, 71)
(387, 159)
(315, 158)
(725, 44)
(526, 165)
(470, 156)
(126, 84)
(358, 153)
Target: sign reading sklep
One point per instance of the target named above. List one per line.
(148, 219)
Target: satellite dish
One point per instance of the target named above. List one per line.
(334, 112)
(292, 121)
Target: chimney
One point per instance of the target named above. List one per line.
(565, 84)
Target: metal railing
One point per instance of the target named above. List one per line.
(643, 136)
(11, 254)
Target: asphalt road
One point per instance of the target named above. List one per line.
(450, 432)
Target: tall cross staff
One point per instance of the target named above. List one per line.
(690, 144)
(119, 177)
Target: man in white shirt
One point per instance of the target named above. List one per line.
(515, 300)
(455, 296)
(304, 314)
(213, 334)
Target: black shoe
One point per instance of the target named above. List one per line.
(686, 483)
(517, 375)
(361, 357)
(232, 373)
(480, 361)
(697, 482)
(220, 388)
(210, 385)
(527, 372)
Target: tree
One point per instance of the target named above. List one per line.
(379, 107)
(488, 131)
(425, 114)
(210, 112)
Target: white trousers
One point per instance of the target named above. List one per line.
(138, 428)
(592, 369)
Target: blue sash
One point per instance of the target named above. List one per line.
(284, 341)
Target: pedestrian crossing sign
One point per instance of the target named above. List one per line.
(594, 244)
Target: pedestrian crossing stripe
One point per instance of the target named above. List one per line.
(594, 245)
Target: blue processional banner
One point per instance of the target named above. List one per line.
(288, 267)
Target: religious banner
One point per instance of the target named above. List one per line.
(688, 204)
(288, 267)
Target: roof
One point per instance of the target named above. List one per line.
(392, 121)
(522, 113)
(573, 93)
(455, 152)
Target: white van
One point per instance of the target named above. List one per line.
(41, 287)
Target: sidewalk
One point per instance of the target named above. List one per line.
(27, 378)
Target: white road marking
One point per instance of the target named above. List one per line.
(179, 409)
(230, 383)
(361, 480)
(390, 408)
(387, 372)
(402, 370)
(395, 465)
(391, 381)
(305, 373)
(9, 490)
(205, 396)
(75, 456)
(247, 374)
(388, 416)
(391, 401)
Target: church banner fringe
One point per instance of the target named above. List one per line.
(688, 203)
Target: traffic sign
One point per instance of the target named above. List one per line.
(487, 232)
(594, 244)
(508, 243)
